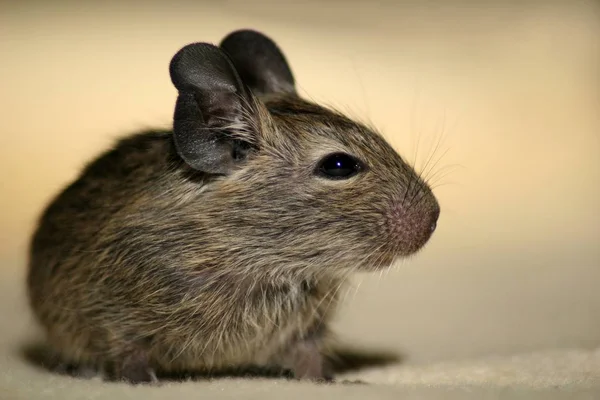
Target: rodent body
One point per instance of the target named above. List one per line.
(219, 245)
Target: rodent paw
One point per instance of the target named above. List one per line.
(134, 368)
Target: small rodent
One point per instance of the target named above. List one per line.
(222, 244)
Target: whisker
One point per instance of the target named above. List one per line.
(435, 164)
(439, 176)
(445, 184)
(451, 167)
(435, 148)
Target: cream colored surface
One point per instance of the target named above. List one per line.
(506, 292)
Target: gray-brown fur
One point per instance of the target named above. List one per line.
(145, 264)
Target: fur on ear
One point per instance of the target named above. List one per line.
(210, 124)
(260, 63)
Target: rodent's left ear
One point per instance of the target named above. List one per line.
(212, 126)
(260, 63)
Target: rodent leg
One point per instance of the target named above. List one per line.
(134, 368)
(75, 370)
(51, 358)
(306, 361)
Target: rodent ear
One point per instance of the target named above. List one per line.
(260, 62)
(211, 123)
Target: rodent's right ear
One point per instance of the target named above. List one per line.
(260, 62)
(211, 126)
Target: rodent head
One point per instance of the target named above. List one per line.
(302, 185)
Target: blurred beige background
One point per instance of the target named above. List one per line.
(510, 89)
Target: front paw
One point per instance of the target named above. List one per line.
(306, 362)
(134, 368)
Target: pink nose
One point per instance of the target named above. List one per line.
(413, 226)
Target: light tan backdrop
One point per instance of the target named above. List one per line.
(511, 91)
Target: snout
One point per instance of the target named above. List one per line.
(434, 215)
(412, 224)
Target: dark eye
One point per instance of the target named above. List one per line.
(338, 166)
